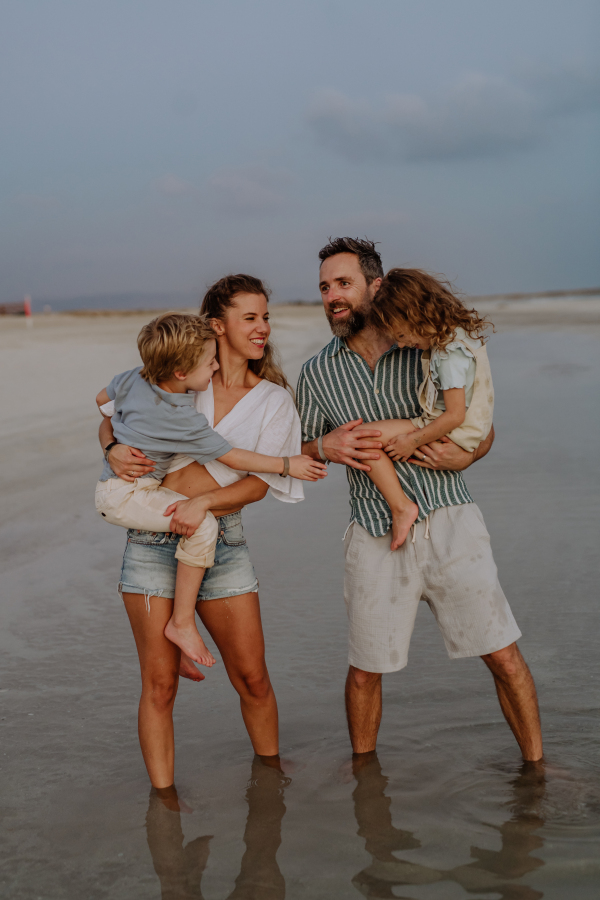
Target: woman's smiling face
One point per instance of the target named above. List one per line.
(246, 325)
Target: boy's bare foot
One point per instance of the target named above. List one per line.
(187, 669)
(188, 640)
(402, 519)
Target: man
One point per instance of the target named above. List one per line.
(362, 376)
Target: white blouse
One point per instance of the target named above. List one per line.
(264, 420)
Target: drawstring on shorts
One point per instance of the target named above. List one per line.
(414, 530)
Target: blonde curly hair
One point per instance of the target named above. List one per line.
(427, 305)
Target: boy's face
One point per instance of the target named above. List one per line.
(199, 378)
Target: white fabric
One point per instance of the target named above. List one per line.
(264, 420)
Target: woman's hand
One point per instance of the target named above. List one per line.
(307, 469)
(188, 515)
(129, 463)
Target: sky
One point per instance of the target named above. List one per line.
(151, 147)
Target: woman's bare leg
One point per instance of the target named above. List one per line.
(384, 477)
(235, 625)
(159, 666)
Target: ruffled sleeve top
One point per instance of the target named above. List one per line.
(454, 366)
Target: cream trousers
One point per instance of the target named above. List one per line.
(141, 505)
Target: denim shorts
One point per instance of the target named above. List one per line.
(149, 563)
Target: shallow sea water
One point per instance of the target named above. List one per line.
(445, 811)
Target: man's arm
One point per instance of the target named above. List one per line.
(445, 454)
(346, 445)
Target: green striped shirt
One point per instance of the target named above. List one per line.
(337, 386)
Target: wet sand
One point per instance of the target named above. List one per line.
(446, 811)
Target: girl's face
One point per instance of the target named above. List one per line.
(246, 327)
(406, 337)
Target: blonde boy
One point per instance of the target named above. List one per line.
(154, 411)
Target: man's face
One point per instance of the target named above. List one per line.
(346, 295)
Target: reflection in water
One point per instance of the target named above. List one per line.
(180, 868)
(493, 870)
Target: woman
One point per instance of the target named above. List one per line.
(248, 403)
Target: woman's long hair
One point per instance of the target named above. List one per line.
(220, 297)
(428, 305)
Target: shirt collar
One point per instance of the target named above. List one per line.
(173, 399)
(336, 344)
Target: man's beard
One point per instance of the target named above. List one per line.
(354, 322)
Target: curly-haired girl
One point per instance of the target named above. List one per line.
(456, 395)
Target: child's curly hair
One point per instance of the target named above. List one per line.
(428, 306)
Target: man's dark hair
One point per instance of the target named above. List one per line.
(369, 259)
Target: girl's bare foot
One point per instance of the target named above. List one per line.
(187, 669)
(188, 640)
(402, 519)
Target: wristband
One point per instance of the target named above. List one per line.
(320, 449)
(286, 467)
(108, 448)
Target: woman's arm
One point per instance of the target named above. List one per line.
(126, 462)
(188, 514)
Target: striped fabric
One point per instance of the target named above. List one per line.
(337, 386)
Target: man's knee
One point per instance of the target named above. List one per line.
(362, 679)
(505, 663)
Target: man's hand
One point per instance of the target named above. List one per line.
(188, 515)
(349, 443)
(129, 463)
(445, 454)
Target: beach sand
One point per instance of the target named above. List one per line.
(76, 820)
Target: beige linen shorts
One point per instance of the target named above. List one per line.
(449, 564)
(141, 504)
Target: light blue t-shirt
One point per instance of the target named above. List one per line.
(160, 424)
(455, 367)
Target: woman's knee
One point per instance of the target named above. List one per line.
(253, 684)
(160, 689)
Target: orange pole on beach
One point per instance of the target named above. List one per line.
(27, 309)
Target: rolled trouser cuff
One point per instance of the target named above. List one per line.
(198, 551)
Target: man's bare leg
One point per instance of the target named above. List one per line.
(518, 699)
(363, 708)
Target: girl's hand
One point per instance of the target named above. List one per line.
(402, 446)
(129, 463)
(188, 515)
(307, 469)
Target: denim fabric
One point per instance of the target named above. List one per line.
(149, 563)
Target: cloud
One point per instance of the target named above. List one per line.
(173, 186)
(249, 189)
(478, 116)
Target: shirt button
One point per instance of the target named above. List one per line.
(376, 390)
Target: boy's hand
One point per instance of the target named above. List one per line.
(188, 515)
(402, 446)
(307, 469)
